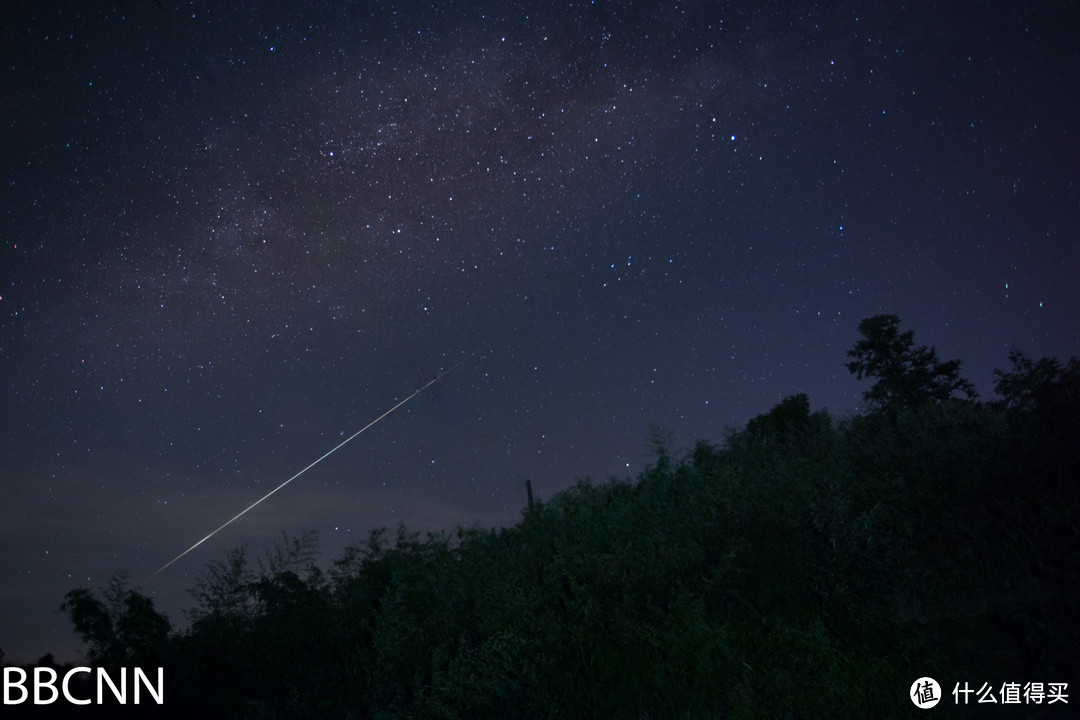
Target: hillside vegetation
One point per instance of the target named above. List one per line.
(806, 567)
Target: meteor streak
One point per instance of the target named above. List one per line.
(340, 445)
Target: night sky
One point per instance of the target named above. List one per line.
(232, 235)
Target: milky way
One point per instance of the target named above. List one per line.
(233, 235)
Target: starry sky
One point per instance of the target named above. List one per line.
(234, 233)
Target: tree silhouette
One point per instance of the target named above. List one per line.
(1038, 386)
(122, 629)
(907, 376)
(1046, 395)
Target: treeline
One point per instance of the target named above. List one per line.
(807, 567)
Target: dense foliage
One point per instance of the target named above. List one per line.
(806, 568)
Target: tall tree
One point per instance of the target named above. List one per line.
(907, 376)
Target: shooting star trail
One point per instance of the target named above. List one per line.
(340, 445)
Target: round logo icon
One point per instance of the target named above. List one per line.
(925, 693)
